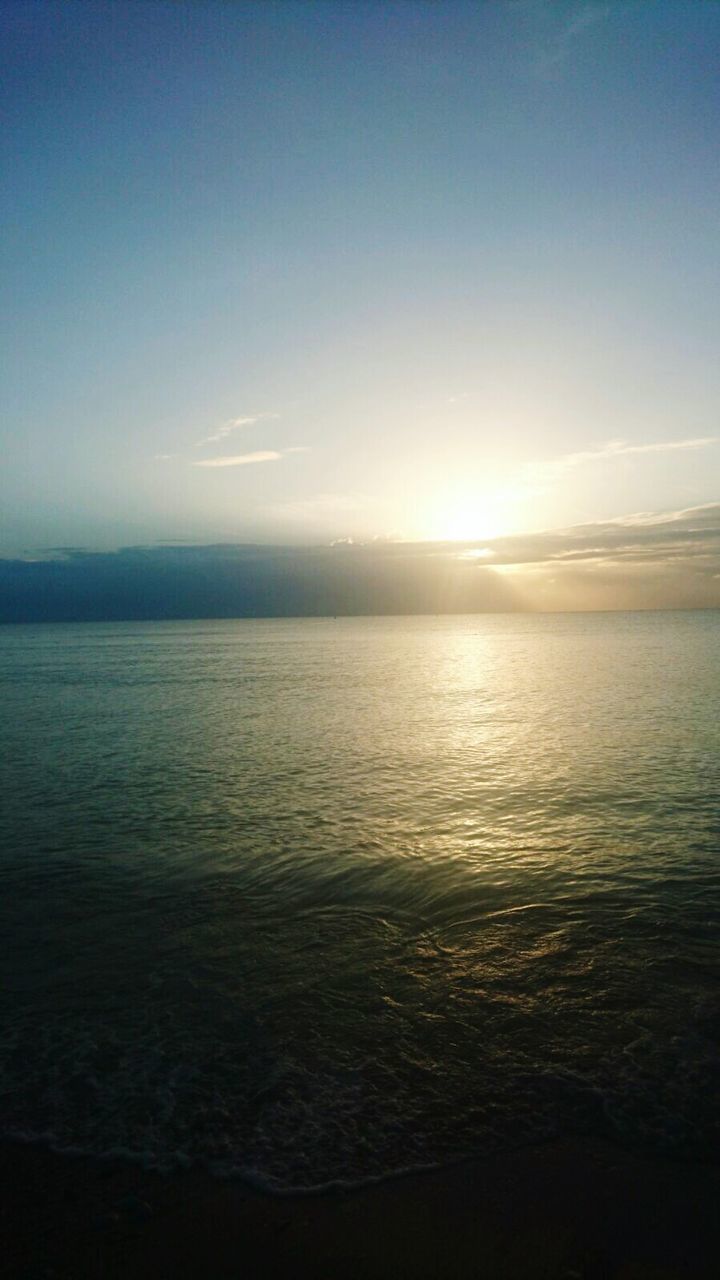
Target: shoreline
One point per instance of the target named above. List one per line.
(568, 1210)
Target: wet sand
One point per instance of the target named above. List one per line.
(564, 1211)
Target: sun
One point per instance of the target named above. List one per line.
(467, 517)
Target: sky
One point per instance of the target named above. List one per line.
(421, 301)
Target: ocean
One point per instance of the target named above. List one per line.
(318, 901)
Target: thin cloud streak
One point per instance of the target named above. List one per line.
(706, 514)
(558, 52)
(556, 467)
(325, 506)
(233, 424)
(620, 448)
(240, 460)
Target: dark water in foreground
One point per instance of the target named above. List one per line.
(325, 899)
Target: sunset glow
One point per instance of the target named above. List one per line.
(455, 287)
(359, 635)
(467, 515)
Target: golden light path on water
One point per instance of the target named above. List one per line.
(327, 899)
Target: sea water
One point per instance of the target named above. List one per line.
(321, 900)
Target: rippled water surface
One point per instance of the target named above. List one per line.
(324, 899)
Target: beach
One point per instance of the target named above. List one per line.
(566, 1210)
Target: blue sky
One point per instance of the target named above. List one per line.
(429, 271)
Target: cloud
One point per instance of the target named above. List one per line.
(643, 560)
(619, 448)
(322, 506)
(561, 45)
(556, 467)
(232, 424)
(588, 15)
(246, 459)
(708, 514)
(692, 535)
(240, 459)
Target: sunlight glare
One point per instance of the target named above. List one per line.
(467, 516)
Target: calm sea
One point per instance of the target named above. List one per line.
(322, 900)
